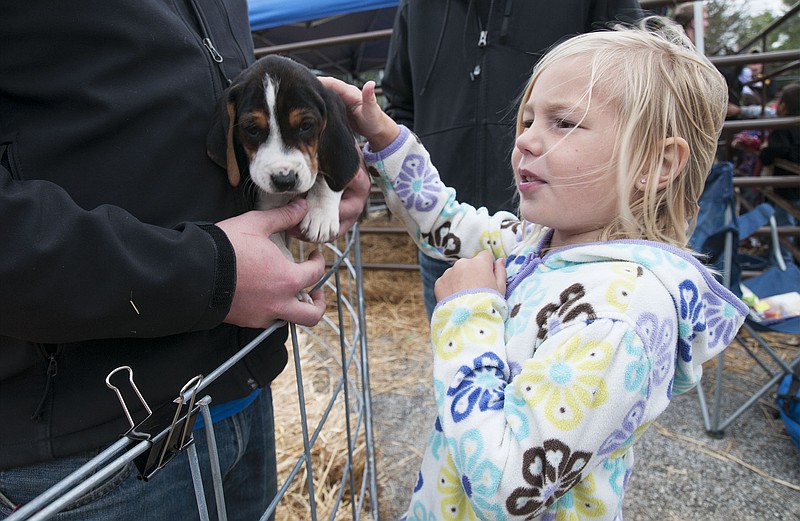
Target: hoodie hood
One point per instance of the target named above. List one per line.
(709, 315)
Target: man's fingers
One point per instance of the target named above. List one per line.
(285, 217)
(354, 199)
(306, 313)
(310, 271)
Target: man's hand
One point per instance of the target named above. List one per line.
(267, 282)
(354, 199)
(480, 271)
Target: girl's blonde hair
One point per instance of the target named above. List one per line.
(661, 88)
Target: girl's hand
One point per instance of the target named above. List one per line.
(365, 115)
(478, 272)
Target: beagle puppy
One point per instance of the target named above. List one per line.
(280, 129)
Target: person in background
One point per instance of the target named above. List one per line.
(454, 71)
(756, 89)
(784, 143)
(559, 338)
(751, 93)
(741, 104)
(124, 245)
(684, 16)
(752, 104)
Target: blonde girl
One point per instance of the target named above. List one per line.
(559, 338)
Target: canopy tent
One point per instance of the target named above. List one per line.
(341, 37)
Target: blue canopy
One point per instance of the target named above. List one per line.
(287, 22)
(273, 13)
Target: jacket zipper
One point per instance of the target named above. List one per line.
(475, 75)
(218, 59)
(208, 43)
(528, 267)
(483, 39)
(215, 55)
(52, 371)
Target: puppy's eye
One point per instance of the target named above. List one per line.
(252, 130)
(306, 125)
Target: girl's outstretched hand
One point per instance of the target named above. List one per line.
(365, 115)
(481, 271)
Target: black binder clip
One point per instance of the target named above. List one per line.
(168, 429)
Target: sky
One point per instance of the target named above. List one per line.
(759, 6)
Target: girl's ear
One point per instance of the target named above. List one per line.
(676, 155)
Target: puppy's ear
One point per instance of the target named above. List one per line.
(338, 156)
(220, 144)
(230, 154)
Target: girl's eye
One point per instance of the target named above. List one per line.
(527, 123)
(564, 123)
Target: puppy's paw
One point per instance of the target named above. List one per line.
(318, 225)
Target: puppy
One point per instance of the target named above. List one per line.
(280, 129)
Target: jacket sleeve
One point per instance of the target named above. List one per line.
(525, 436)
(397, 84)
(68, 274)
(442, 227)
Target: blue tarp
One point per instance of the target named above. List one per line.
(273, 13)
(287, 22)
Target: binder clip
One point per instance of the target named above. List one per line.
(168, 429)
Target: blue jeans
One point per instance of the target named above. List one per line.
(430, 269)
(246, 446)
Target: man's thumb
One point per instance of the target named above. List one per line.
(287, 216)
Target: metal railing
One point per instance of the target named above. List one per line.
(347, 330)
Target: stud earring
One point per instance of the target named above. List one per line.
(642, 181)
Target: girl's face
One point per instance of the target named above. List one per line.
(562, 160)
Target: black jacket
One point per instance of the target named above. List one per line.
(106, 195)
(460, 96)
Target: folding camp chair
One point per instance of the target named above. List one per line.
(717, 236)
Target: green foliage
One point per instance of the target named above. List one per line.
(731, 25)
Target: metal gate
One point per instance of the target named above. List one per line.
(341, 338)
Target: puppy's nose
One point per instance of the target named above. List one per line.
(284, 180)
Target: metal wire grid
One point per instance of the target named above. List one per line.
(349, 329)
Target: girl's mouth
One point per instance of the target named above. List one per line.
(526, 176)
(528, 182)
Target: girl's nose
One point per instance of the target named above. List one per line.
(528, 142)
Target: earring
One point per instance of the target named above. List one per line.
(642, 181)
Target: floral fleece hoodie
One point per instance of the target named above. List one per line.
(542, 392)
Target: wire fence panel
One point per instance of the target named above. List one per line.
(325, 446)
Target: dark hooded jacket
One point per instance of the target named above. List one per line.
(106, 199)
(459, 92)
